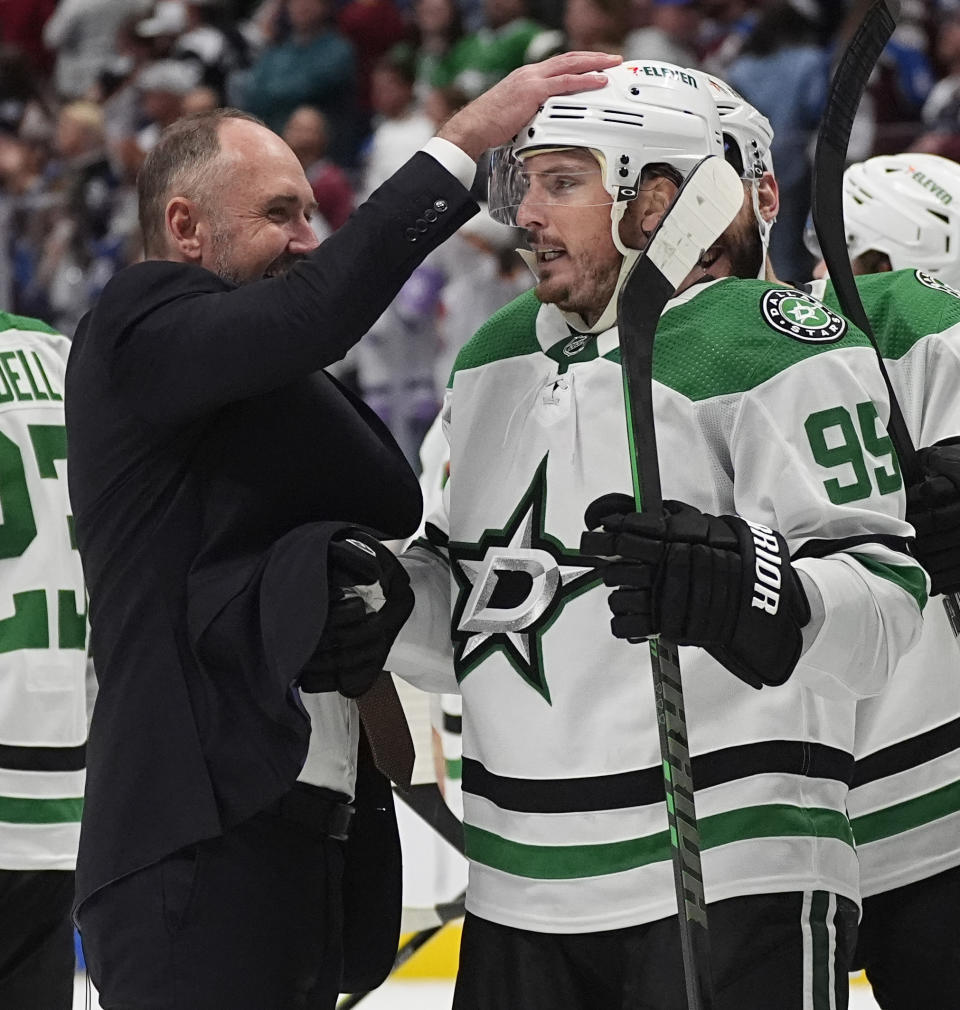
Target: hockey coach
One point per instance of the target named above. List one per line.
(225, 489)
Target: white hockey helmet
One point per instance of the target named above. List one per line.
(747, 133)
(648, 112)
(747, 136)
(907, 206)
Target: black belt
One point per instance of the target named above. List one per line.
(321, 811)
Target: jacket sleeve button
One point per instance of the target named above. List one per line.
(440, 206)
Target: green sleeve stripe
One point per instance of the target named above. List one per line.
(906, 815)
(22, 810)
(568, 862)
(8, 321)
(454, 767)
(910, 578)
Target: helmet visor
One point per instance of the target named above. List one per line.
(564, 179)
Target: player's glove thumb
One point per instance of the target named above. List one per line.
(933, 509)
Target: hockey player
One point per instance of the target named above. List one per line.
(571, 901)
(43, 661)
(901, 215)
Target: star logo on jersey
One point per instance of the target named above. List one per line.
(511, 586)
(801, 317)
(934, 282)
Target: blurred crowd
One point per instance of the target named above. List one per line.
(355, 87)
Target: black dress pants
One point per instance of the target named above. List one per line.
(769, 952)
(908, 944)
(250, 920)
(36, 940)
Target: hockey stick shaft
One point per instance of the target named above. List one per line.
(846, 89)
(446, 912)
(427, 802)
(672, 728)
(671, 253)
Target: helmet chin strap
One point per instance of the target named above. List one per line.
(608, 317)
(763, 225)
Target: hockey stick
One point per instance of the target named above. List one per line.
(705, 204)
(446, 912)
(849, 81)
(829, 162)
(427, 802)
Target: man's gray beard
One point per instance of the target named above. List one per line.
(221, 266)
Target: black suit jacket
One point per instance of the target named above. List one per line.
(209, 461)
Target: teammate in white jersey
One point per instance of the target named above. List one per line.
(902, 222)
(571, 901)
(43, 659)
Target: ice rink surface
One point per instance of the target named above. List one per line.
(436, 995)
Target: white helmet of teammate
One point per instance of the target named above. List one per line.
(907, 206)
(747, 133)
(747, 136)
(648, 112)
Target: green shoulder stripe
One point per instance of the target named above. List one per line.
(910, 578)
(8, 321)
(904, 307)
(729, 338)
(509, 332)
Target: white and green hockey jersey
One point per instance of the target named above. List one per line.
(905, 804)
(769, 406)
(43, 611)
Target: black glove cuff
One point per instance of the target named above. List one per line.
(767, 642)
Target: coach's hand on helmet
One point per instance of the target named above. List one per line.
(370, 598)
(933, 509)
(499, 113)
(718, 582)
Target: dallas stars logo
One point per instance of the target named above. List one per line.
(512, 585)
(802, 317)
(934, 282)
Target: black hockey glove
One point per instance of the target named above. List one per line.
(933, 508)
(355, 641)
(714, 581)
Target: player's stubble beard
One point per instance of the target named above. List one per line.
(594, 290)
(742, 245)
(596, 280)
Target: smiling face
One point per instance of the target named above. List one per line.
(258, 222)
